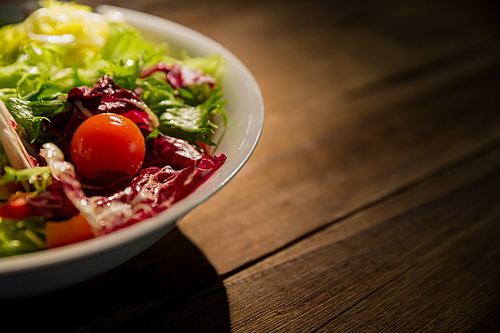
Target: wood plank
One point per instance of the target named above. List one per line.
(450, 290)
(382, 106)
(431, 268)
(364, 63)
(425, 260)
(324, 178)
(346, 87)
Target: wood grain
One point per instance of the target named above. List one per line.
(371, 202)
(361, 100)
(431, 268)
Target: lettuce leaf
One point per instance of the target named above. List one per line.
(212, 64)
(192, 123)
(126, 44)
(37, 87)
(17, 237)
(75, 27)
(43, 60)
(39, 177)
(184, 101)
(31, 114)
(6, 93)
(12, 37)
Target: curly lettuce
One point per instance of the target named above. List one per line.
(17, 237)
(65, 63)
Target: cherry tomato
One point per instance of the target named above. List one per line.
(109, 142)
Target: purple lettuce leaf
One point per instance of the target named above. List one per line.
(180, 76)
(173, 168)
(53, 204)
(166, 150)
(161, 150)
(105, 96)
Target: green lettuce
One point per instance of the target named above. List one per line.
(36, 75)
(12, 37)
(39, 177)
(64, 45)
(212, 64)
(17, 237)
(37, 100)
(189, 122)
(6, 93)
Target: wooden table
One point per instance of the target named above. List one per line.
(372, 202)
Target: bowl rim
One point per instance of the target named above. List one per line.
(45, 259)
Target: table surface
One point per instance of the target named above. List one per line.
(371, 203)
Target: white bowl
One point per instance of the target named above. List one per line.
(49, 270)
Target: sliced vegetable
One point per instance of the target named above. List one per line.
(74, 230)
(17, 207)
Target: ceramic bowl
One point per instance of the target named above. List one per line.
(45, 271)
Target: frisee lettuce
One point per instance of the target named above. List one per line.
(17, 237)
(191, 123)
(36, 99)
(39, 177)
(64, 46)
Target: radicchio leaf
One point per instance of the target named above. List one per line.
(161, 150)
(53, 204)
(11, 142)
(172, 170)
(105, 96)
(166, 150)
(180, 76)
(178, 153)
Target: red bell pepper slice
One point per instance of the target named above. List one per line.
(17, 207)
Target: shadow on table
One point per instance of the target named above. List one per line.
(159, 290)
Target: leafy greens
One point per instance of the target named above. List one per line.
(65, 64)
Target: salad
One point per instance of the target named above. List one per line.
(99, 129)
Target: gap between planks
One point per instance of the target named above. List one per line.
(260, 301)
(404, 188)
(425, 202)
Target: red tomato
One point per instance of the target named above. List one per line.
(110, 142)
